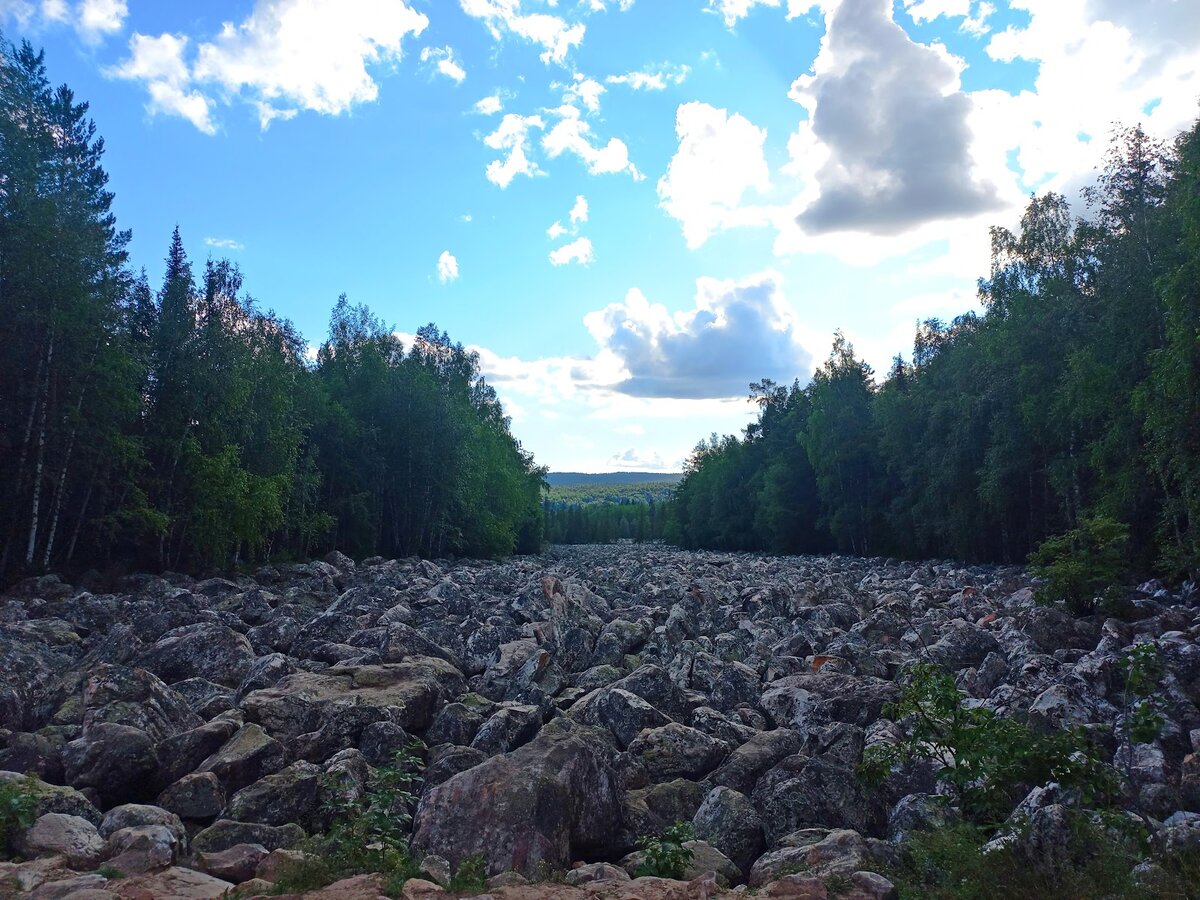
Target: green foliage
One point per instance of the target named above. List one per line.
(948, 864)
(18, 808)
(987, 758)
(1094, 863)
(593, 493)
(187, 428)
(367, 833)
(112, 873)
(1141, 708)
(470, 876)
(1080, 564)
(664, 856)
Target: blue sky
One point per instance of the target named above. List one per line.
(631, 208)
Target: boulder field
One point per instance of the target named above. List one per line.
(185, 733)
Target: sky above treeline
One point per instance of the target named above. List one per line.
(630, 208)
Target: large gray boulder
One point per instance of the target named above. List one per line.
(623, 713)
(730, 822)
(554, 800)
(677, 751)
(116, 761)
(203, 650)
(801, 792)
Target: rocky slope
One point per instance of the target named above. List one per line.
(186, 733)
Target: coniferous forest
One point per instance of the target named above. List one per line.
(178, 424)
(1071, 405)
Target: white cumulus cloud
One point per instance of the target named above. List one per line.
(578, 251)
(552, 33)
(737, 332)
(733, 10)
(892, 129)
(572, 134)
(719, 159)
(158, 62)
(286, 56)
(512, 139)
(490, 105)
(92, 20)
(447, 267)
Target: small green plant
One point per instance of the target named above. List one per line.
(367, 834)
(987, 758)
(665, 856)
(112, 873)
(470, 876)
(545, 873)
(1081, 565)
(18, 808)
(1140, 707)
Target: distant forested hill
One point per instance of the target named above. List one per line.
(557, 478)
(582, 508)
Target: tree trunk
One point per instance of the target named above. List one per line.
(39, 466)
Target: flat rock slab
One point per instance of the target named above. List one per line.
(177, 883)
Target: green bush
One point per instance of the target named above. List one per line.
(1094, 862)
(1082, 564)
(18, 809)
(665, 856)
(367, 834)
(1140, 706)
(990, 760)
(471, 876)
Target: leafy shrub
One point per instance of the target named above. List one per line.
(988, 759)
(1140, 707)
(665, 856)
(18, 808)
(1094, 862)
(367, 834)
(470, 876)
(1081, 564)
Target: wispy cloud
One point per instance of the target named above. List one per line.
(224, 243)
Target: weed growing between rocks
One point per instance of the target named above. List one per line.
(369, 833)
(470, 876)
(665, 856)
(18, 804)
(988, 759)
(957, 863)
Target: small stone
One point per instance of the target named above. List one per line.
(874, 886)
(506, 879)
(419, 887)
(595, 872)
(278, 863)
(237, 863)
(798, 887)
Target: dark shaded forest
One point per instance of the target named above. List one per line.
(185, 427)
(1070, 405)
